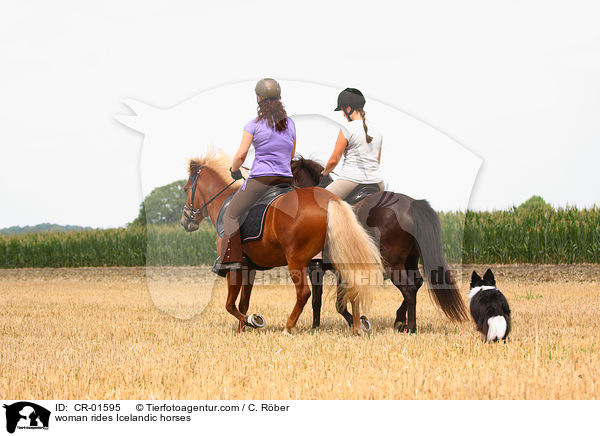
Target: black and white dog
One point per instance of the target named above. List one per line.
(489, 307)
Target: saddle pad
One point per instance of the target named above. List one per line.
(252, 222)
(252, 227)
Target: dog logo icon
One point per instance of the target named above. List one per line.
(26, 415)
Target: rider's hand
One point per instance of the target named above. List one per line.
(236, 175)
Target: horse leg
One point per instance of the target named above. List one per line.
(400, 322)
(414, 276)
(356, 323)
(316, 275)
(246, 292)
(298, 274)
(340, 306)
(400, 279)
(234, 283)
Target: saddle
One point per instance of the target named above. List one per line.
(253, 220)
(360, 192)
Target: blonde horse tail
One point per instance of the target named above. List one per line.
(353, 254)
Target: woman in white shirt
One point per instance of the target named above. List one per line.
(360, 144)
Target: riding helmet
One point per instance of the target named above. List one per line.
(350, 97)
(268, 88)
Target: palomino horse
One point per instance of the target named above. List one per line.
(406, 229)
(297, 226)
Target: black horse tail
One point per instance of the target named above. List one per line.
(428, 233)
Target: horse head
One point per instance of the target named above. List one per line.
(209, 180)
(307, 173)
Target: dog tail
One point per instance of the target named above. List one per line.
(496, 328)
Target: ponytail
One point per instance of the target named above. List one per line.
(362, 114)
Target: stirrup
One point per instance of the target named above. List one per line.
(218, 269)
(221, 269)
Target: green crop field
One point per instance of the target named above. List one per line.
(538, 235)
(564, 235)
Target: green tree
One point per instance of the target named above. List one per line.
(535, 203)
(163, 205)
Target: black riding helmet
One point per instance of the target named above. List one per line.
(350, 97)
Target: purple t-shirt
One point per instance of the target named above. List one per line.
(273, 149)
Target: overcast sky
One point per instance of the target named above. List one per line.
(516, 83)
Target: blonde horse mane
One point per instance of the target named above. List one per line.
(218, 161)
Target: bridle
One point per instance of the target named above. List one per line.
(193, 212)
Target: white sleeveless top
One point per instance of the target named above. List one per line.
(360, 158)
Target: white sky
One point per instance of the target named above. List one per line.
(517, 83)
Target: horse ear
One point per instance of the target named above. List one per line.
(475, 279)
(488, 278)
(143, 114)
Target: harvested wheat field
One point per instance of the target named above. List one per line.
(97, 333)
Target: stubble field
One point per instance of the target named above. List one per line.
(97, 333)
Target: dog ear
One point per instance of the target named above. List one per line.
(488, 278)
(475, 279)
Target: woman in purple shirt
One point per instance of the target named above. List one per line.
(273, 135)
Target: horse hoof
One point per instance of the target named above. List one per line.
(400, 326)
(365, 324)
(256, 321)
(286, 332)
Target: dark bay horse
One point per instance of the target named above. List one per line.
(297, 226)
(406, 230)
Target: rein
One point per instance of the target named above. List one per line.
(193, 212)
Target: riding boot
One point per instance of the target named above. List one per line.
(231, 257)
(231, 248)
